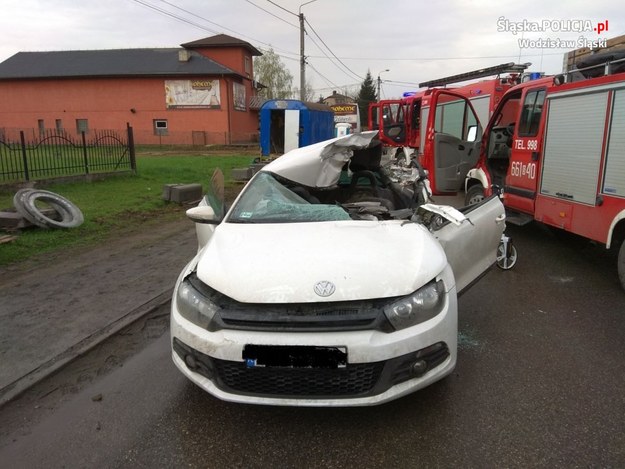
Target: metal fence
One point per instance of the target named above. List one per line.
(28, 155)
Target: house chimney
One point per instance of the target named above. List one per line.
(333, 92)
(184, 55)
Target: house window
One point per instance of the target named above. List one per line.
(41, 126)
(82, 125)
(248, 66)
(59, 125)
(160, 127)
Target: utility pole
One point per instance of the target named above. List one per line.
(302, 69)
(380, 82)
(302, 57)
(302, 64)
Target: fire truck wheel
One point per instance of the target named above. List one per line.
(474, 195)
(621, 264)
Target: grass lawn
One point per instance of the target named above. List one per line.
(120, 204)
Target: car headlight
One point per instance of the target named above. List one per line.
(422, 305)
(194, 306)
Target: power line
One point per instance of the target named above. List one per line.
(269, 13)
(328, 57)
(330, 50)
(172, 15)
(413, 59)
(197, 25)
(282, 8)
(327, 80)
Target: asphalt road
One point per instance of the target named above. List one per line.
(539, 383)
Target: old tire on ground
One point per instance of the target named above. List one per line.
(20, 207)
(474, 195)
(24, 202)
(621, 264)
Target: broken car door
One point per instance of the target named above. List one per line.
(471, 239)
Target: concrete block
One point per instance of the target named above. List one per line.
(11, 221)
(167, 191)
(185, 193)
(241, 174)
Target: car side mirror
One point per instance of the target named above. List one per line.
(203, 214)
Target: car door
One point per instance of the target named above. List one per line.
(456, 135)
(471, 244)
(214, 199)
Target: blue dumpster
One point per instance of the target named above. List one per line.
(286, 124)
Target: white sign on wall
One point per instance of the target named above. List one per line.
(192, 93)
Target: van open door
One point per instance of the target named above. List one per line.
(392, 122)
(452, 144)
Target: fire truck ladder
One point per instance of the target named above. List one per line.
(481, 73)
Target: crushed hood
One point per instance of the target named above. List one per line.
(320, 165)
(282, 263)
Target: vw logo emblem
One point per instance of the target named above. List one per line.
(324, 288)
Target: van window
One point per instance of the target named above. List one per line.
(454, 116)
(531, 113)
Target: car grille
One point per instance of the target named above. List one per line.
(353, 380)
(312, 317)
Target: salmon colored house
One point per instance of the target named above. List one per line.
(201, 93)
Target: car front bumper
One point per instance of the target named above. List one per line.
(380, 366)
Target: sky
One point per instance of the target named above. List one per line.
(414, 40)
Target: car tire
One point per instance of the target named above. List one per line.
(474, 195)
(506, 262)
(24, 201)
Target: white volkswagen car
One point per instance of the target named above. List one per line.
(327, 283)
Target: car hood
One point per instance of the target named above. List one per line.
(282, 263)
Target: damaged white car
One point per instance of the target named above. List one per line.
(327, 283)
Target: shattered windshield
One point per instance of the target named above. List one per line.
(269, 198)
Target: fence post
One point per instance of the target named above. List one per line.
(84, 151)
(24, 158)
(131, 148)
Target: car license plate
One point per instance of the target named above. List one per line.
(294, 356)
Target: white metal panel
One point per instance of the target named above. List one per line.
(573, 143)
(291, 130)
(614, 183)
(482, 108)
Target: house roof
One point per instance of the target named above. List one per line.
(336, 95)
(221, 40)
(108, 63)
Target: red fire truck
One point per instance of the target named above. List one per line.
(405, 123)
(556, 148)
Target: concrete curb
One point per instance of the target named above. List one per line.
(17, 387)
